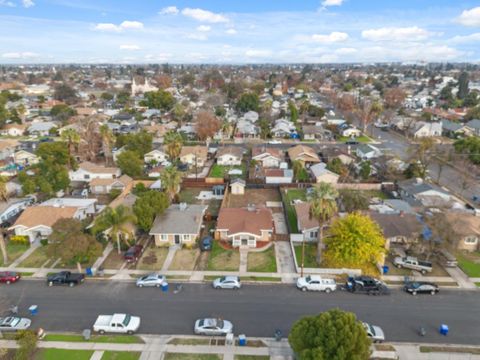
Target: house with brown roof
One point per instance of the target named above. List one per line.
(14, 129)
(7, 148)
(307, 225)
(466, 229)
(304, 154)
(244, 226)
(25, 158)
(268, 157)
(401, 229)
(229, 156)
(88, 171)
(105, 186)
(36, 222)
(192, 155)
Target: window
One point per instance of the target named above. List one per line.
(313, 234)
(471, 240)
(86, 176)
(186, 237)
(163, 237)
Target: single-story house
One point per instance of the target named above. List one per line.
(88, 171)
(367, 151)
(350, 132)
(303, 154)
(283, 128)
(156, 156)
(320, 174)
(104, 186)
(7, 148)
(25, 158)
(237, 186)
(467, 228)
(12, 207)
(474, 126)
(244, 226)
(452, 128)
(312, 132)
(398, 228)
(230, 156)
(179, 224)
(85, 207)
(267, 157)
(36, 221)
(278, 176)
(41, 128)
(307, 225)
(192, 155)
(415, 191)
(14, 129)
(427, 129)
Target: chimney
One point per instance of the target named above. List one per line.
(402, 213)
(251, 207)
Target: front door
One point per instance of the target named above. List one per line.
(177, 239)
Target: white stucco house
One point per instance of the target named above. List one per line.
(88, 171)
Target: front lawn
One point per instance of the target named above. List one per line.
(184, 259)
(469, 264)
(361, 139)
(14, 251)
(59, 354)
(264, 261)
(114, 260)
(37, 259)
(222, 259)
(121, 355)
(289, 196)
(310, 260)
(114, 339)
(153, 258)
(252, 357)
(178, 356)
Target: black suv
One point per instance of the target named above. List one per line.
(366, 284)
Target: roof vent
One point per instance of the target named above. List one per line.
(251, 207)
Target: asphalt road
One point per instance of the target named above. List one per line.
(255, 310)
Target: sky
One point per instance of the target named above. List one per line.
(239, 31)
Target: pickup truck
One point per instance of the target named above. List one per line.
(117, 323)
(366, 285)
(410, 262)
(65, 278)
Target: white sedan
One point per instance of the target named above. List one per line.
(213, 327)
(374, 332)
(14, 323)
(151, 280)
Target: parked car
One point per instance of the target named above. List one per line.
(9, 277)
(352, 141)
(117, 323)
(14, 323)
(421, 287)
(367, 285)
(206, 243)
(210, 326)
(275, 142)
(133, 253)
(447, 258)
(65, 278)
(151, 280)
(227, 282)
(374, 332)
(413, 263)
(316, 283)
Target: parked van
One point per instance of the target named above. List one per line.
(447, 258)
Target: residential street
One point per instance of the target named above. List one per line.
(256, 310)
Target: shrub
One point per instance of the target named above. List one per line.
(44, 242)
(20, 240)
(114, 193)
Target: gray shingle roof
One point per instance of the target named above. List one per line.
(177, 220)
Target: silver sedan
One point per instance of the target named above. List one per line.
(14, 323)
(151, 280)
(213, 327)
(227, 282)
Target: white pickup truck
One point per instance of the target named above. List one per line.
(413, 263)
(117, 323)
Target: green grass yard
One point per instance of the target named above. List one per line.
(289, 196)
(37, 258)
(221, 171)
(221, 259)
(61, 354)
(14, 251)
(310, 260)
(469, 263)
(114, 339)
(361, 139)
(264, 261)
(177, 356)
(252, 357)
(121, 355)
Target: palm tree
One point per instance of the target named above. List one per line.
(323, 206)
(107, 142)
(72, 138)
(116, 221)
(171, 179)
(173, 144)
(297, 167)
(3, 197)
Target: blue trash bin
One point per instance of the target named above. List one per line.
(165, 287)
(33, 310)
(385, 269)
(89, 271)
(242, 340)
(444, 329)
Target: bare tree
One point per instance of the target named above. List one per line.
(206, 125)
(367, 110)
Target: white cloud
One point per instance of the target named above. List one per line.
(158, 57)
(255, 53)
(19, 55)
(466, 38)
(7, 3)
(470, 17)
(345, 51)
(333, 37)
(169, 10)
(231, 31)
(130, 47)
(131, 25)
(126, 25)
(413, 33)
(204, 28)
(326, 3)
(204, 15)
(27, 3)
(201, 37)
